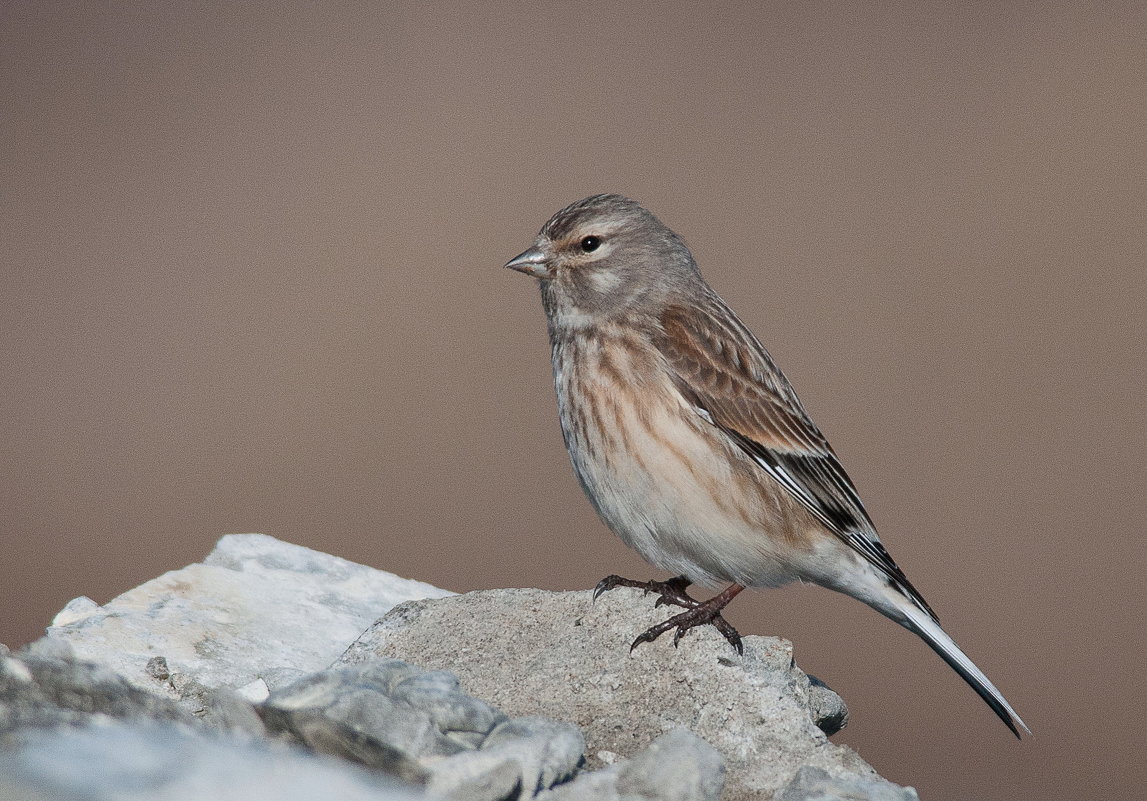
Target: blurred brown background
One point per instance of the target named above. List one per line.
(251, 281)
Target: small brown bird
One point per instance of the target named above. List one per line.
(691, 443)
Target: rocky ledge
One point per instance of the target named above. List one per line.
(271, 671)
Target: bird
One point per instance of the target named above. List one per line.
(692, 445)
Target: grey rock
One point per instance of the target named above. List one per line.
(219, 709)
(420, 726)
(275, 678)
(814, 784)
(255, 605)
(347, 713)
(385, 675)
(226, 653)
(43, 691)
(678, 766)
(155, 762)
(474, 776)
(826, 707)
(562, 656)
(157, 668)
(455, 714)
(421, 713)
(519, 757)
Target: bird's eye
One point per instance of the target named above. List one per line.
(590, 243)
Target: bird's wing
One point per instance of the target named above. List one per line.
(721, 368)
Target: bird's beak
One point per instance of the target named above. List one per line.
(531, 262)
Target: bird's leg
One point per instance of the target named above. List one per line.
(697, 613)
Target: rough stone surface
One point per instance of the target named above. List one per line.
(254, 606)
(517, 759)
(420, 726)
(563, 656)
(826, 707)
(350, 713)
(210, 684)
(814, 784)
(155, 762)
(678, 766)
(218, 708)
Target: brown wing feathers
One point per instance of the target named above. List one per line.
(728, 374)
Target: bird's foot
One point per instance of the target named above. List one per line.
(669, 592)
(697, 613)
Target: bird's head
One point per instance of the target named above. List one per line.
(603, 256)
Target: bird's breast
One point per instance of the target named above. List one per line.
(659, 474)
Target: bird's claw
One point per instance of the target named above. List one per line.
(608, 583)
(673, 592)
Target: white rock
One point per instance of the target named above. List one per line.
(255, 605)
(256, 692)
(75, 610)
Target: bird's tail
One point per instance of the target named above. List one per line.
(917, 620)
